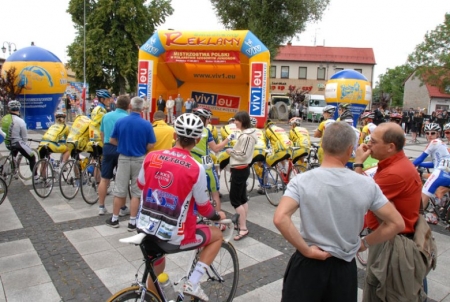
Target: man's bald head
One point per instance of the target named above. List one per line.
(392, 133)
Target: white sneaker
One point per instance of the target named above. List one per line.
(124, 212)
(197, 292)
(102, 211)
(37, 179)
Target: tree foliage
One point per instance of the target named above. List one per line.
(431, 58)
(274, 22)
(390, 88)
(114, 32)
(8, 89)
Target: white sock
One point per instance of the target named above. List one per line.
(197, 274)
(133, 220)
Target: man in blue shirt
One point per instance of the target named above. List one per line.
(110, 155)
(134, 137)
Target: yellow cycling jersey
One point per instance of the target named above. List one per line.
(79, 133)
(300, 137)
(323, 125)
(260, 141)
(94, 126)
(214, 132)
(227, 130)
(278, 138)
(57, 133)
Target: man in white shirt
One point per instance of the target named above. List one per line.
(169, 105)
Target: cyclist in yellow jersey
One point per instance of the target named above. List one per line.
(202, 154)
(368, 125)
(104, 100)
(55, 138)
(344, 108)
(328, 112)
(78, 137)
(299, 137)
(279, 142)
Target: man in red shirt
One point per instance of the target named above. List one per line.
(400, 183)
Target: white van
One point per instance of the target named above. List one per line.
(316, 103)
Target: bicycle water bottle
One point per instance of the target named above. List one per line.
(167, 287)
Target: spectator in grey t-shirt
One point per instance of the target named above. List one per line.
(332, 201)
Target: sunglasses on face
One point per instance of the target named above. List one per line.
(430, 133)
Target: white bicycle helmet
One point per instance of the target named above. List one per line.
(203, 112)
(253, 121)
(14, 105)
(432, 127)
(295, 120)
(447, 126)
(346, 115)
(370, 115)
(329, 108)
(189, 125)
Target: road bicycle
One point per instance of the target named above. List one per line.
(219, 281)
(3, 190)
(15, 165)
(270, 181)
(312, 159)
(47, 170)
(90, 176)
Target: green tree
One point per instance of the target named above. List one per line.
(389, 90)
(9, 90)
(431, 58)
(274, 22)
(114, 32)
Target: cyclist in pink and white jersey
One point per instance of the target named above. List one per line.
(436, 148)
(172, 182)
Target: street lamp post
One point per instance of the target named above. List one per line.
(84, 56)
(9, 47)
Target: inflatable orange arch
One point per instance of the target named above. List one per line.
(225, 71)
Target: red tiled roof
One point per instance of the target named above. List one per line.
(326, 54)
(434, 92)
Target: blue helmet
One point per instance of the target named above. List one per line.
(103, 93)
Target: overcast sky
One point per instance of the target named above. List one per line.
(391, 27)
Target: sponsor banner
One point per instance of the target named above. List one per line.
(205, 56)
(145, 79)
(258, 89)
(252, 46)
(217, 102)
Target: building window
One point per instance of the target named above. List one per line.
(273, 71)
(358, 70)
(336, 70)
(285, 72)
(302, 72)
(321, 73)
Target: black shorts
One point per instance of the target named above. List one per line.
(331, 280)
(238, 186)
(109, 160)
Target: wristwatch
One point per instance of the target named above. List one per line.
(364, 241)
(358, 166)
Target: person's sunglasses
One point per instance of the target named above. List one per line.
(447, 132)
(430, 133)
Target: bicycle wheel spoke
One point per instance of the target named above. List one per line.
(69, 179)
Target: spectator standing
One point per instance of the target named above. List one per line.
(241, 156)
(170, 104)
(323, 267)
(164, 133)
(68, 106)
(300, 110)
(178, 106)
(189, 105)
(379, 115)
(401, 184)
(161, 104)
(134, 137)
(146, 109)
(110, 154)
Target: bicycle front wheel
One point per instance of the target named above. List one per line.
(23, 165)
(133, 293)
(69, 179)
(6, 169)
(274, 186)
(3, 190)
(221, 278)
(43, 185)
(89, 184)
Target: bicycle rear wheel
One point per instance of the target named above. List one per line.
(133, 293)
(221, 278)
(43, 186)
(89, 184)
(6, 169)
(3, 190)
(274, 186)
(23, 165)
(69, 179)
